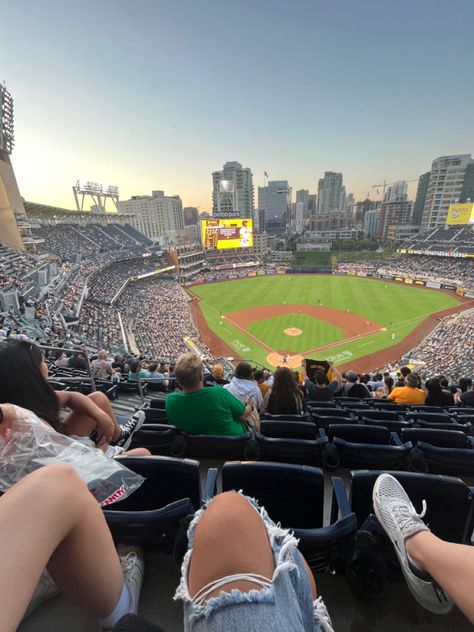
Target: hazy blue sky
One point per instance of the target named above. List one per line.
(152, 94)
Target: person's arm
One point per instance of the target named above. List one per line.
(258, 397)
(81, 404)
(264, 405)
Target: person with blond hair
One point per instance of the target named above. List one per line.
(201, 410)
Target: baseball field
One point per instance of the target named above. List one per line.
(350, 320)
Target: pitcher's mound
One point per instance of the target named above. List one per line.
(293, 331)
(290, 361)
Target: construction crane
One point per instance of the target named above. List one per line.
(386, 184)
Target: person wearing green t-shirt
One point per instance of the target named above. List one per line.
(200, 410)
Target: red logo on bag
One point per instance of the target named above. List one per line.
(115, 496)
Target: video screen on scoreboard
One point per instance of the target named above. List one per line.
(219, 234)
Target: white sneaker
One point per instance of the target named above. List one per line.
(398, 517)
(132, 561)
(129, 429)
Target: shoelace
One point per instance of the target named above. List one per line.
(128, 561)
(405, 515)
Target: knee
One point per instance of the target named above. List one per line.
(57, 479)
(98, 397)
(229, 508)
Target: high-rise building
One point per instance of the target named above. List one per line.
(275, 201)
(10, 198)
(396, 191)
(232, 191)
(421, 192)
(158, 216)
(396, 212)
(331, 193)
(303, 196)
(371, 221)
(312, 203)
(449, 178)
(191, 215)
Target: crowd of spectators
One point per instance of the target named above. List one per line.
(449, 270)
(156, 311)
(99, 326)
(448, 349)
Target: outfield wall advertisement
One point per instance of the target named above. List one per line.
(221, 234)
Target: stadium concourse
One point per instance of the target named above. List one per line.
(82, 289)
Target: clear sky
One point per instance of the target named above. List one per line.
(156, 94)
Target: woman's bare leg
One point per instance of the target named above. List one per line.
(237, 537)
(451, 565)
(137, 452)
(82, 425)
(50, 519)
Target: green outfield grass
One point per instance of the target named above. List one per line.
(402, 305)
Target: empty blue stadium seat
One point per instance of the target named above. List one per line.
(441, 451)
(316, 404)
(379, 414)
(365, 447)
(393, 426)
(328, 420)
(214, 446)
(151, 515)
(294, 496)
(155, 415)
(391, 406)
(451, 425)
(305, 417)
(288, 429)
(437, 418)
(158, 403)
(324, 412)
(157, 438)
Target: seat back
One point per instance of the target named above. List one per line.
(386, 415)
(288, 450)
(153, 415)
(220, 447)
(428, 409)
(315, 404)
(304, 417)
(451, 425)
(324, 412)
(449, 501)
(440, 438)
(292, 494)
(390, 406)
(157, 438)
(375, 435)
(166, 480)
(326, 421)
(158, 403)
(393, 426)
(288, 429)
(437, 418)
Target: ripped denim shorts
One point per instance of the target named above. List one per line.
(282, 604)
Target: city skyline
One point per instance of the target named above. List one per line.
(170, 93)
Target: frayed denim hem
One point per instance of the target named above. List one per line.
(283, 544)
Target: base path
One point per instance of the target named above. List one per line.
(351, 324)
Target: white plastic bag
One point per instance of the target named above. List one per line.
(27, 443)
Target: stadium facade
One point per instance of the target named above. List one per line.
(11, 202)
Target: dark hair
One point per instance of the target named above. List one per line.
(389, 383)
(465, 384)
(285, 396)
(133, 368)
(320, 378)
(405, 371)
(153, 366)
(258, 374)
(243, 370)
(23, 384)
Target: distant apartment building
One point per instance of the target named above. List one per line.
(396, 191)
(232, 191)
(275, 202)
(331, 193)
(302, 196)
(157, 216)
(312, 203)
(451, 180)
(332, 221)
(397, 212)
(190, 215)
(371, 222)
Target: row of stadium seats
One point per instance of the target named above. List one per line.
(294, 495)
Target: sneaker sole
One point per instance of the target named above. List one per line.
(413, 582)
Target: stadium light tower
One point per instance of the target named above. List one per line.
(98, 193)
(10, 198)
